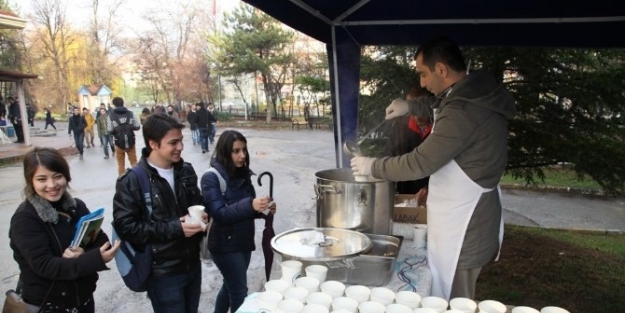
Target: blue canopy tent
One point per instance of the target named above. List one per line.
(346, 25)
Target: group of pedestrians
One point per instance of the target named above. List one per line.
(203, 124)
(60, 278)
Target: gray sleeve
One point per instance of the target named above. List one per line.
(135, 123)
(451, 136)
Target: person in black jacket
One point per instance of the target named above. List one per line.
(53, 274)
(15, 116)
(212, 122)
(231, 237)
(175, 283)
(77, 125)
(192, 120)
(203, 125)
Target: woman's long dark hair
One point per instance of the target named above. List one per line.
(223, 151)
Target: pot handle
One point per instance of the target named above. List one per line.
(321, 189)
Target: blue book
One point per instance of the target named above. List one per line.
(87, 228)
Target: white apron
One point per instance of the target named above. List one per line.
(452, 198)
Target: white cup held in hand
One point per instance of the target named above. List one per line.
(196, 212)
(291, 270)
(419, 236)
(319, 272)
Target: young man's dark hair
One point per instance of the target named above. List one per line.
(118, 102)
(444, 50)
(156, 127)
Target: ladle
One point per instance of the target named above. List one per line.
(353, 148)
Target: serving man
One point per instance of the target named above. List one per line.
(465, 156)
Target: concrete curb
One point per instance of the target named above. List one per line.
(590, 231)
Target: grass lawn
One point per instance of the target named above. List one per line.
(580, 272)
(556, 177)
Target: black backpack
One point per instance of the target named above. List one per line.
(123, 133)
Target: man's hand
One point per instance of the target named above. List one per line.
(108, 254)
(362, 165)
(399, 107)
(422, 197)
(190, 228)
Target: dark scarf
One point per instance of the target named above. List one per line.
(46, 211)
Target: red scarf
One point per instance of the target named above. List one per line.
(412, 124)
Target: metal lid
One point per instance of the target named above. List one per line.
(321, 244)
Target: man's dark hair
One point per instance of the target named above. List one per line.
(444, 50)
(118, 102)
(223, 150)
(156, 127)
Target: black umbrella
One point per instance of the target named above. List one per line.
(268, 232)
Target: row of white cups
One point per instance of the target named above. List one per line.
(294, 293)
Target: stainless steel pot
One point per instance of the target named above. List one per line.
(345, 203)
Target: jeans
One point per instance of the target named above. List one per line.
(176, 294)
(203, 138)
(211, 134)
(106, 141)
(79, 137)
(120, 155)
(233, 267)
(195, 136)
(89, 137)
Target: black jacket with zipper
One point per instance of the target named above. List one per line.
(172, 252)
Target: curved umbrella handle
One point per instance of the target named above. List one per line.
(270, 182)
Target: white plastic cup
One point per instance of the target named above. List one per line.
(290, 306)
(492, 306)
(319, 298)
(524, 309)
(310, 283)
(277, 285)
(553, 309)
(359, 293)
(333, 288)
(269, 300)
(371, 307)
(424, 310)
(314, 308)
(319, 272)
(397, 308)
(435, 303)
(462, 304)
(419, 236)
(408, 298)
(291, 270)
(345, 303)
(453, 311)
(196, 212)
(296, 293)
(382, 295)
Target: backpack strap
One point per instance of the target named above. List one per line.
(222, 181)
(144, 182)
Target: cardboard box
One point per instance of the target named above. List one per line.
(411, 215)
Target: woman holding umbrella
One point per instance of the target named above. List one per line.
(233, 210)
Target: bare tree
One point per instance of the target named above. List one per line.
(104, 33)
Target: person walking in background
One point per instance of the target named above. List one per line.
(231, 236)
(3, 109)
(53, 275)
(203, 125)
(89, 134)
(15, 116)
(176, 280)
(77, 125)
(171, 111)
(97, 116)
(192, 120)
(49, 119)
(122, 125)
(465, 157)
(144, 115)
(212, 123)
(105, 138)
(30, 112)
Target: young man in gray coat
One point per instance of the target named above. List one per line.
(465, 157)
